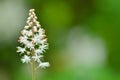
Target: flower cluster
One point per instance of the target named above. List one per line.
(33, 41)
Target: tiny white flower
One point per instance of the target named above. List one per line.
(24, 32)
(44, 64)
(43, 41)
(43, 47)
(36, 39)
(41, 31)
(29, 45)
(38, 51)
(29, 33)
(21, 50)
(37, 58)
(26, 59)
(23, 39)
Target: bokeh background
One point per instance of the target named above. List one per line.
(84, 38)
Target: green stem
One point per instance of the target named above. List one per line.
(33, 69)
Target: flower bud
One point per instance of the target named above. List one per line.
(29, 18)
(26, 27)
(30, 23)
(32, 10)
(28, 53)
(34, 29)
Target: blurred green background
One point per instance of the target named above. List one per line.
(84, 38)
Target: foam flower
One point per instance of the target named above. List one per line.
(33, 42)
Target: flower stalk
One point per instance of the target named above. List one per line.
(33, 43)
(33, 67)
(33, 70)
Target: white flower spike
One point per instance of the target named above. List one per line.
(33, 42)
